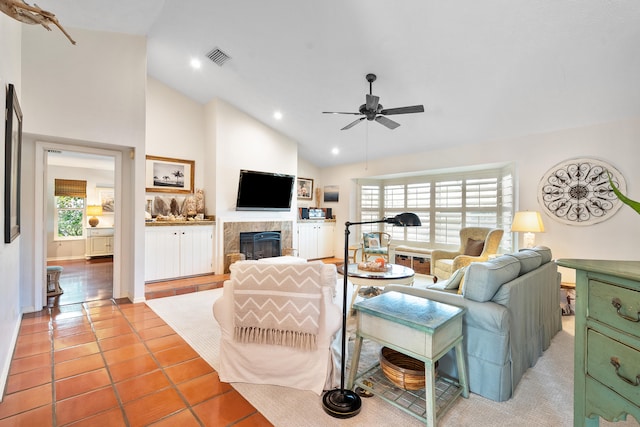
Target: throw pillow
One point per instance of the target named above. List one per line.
(453, 282)
(371, 241)
(474, 247)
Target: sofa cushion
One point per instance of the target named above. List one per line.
(544, 251)
(473, 247)
(483, 279)
(452, 283)
(529, 260)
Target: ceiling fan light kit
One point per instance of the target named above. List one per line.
(372, 110)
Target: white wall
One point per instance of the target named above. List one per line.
(88, 95)
(615, 143)
(10, 72)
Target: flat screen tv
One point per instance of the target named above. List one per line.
(264, 191)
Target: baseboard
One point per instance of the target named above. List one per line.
(4, 373)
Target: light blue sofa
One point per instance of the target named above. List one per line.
(513, 311)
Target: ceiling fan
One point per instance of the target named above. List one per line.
(373, 110)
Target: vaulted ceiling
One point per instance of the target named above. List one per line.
(484, 70)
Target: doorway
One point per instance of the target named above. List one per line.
(87, 274)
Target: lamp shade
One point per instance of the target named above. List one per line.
(527, 221)
(405, 219)
(94, 210)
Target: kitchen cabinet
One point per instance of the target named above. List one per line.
(316, 239)
(178, 251)
(99, 241)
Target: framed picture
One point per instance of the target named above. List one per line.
(305, 188)
(107, 200)
(12, 154)
(166, 175)
(331, 193)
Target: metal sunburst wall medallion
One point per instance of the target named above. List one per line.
(577, 191)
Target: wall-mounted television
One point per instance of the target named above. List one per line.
(264, 191)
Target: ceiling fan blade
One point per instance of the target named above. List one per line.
(353, 123)
(372, 102)
(339, 112)
(387, 122)
(403, 110)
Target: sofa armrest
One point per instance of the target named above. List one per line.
(488, 315)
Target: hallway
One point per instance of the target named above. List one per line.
(84, 280)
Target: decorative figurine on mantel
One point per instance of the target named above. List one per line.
(190, 206)
(199, 200)
(318, 196)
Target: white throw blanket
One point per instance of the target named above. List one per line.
(277, 304)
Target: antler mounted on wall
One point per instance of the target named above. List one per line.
(21, 11)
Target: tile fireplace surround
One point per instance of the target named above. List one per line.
(232, 232)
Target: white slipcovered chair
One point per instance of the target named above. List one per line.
(258, 352)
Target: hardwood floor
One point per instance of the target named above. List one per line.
(84, 280)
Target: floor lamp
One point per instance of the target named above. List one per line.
(342, 403)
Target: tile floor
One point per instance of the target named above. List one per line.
(108, 363)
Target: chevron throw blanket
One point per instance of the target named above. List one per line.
(277, 304)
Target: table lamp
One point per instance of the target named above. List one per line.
(528, 222)
(342, 403)
(94, 211)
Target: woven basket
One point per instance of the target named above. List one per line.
(402, 370)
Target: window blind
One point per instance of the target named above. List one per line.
(70, 188)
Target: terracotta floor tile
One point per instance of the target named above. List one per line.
(113, 332)
(165, 342)
(147, 323)
(110, 323)
(183, 419)
(31, 349)
(224, 410)
(85, 405)
(132, 368)
(25, 400)
(70, 322)
(78, 366)
(70, 353)
(30, 362)
(154, 407)
(174, 355)
(158, 331)
(80, 328)
(97, 317)
(202, 388)
(35, 327)
(142, 385)
(255, 420)
(37, 317)
(82, 383)
(119, 341)
(28, 379)
(188, 370)
(41, 417)
(110, 418)
(72, 340)
(125, 353)
(35, 337)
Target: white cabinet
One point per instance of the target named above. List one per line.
(316, 239)
(99, 241)
(177, 251)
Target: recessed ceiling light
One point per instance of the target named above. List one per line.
(335, 151)
(195, 63)
(277, 115)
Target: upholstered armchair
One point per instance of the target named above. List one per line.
(280, 320)
(476, 244)
(375, 243)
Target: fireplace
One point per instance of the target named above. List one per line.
(261, 244)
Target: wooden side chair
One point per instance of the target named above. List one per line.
(375, 243)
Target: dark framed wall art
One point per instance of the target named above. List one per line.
(305, 188)
(167, 175)
(12, 154)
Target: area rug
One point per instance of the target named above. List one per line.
(544, 396)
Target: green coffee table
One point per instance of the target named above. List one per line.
(423, 329)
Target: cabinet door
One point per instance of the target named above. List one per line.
(100, 245)
(307, 236)
(196, 250)
(326, 247)
(162, 253)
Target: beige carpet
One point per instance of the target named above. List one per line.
(544, 397)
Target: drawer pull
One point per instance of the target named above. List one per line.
(618, 305)
(616, 364)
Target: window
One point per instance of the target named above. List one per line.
(445, 203)
(69, 215)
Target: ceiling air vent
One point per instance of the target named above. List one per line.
(218, 56)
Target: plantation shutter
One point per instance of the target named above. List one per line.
(369, 206)
(448, 220)
(70, 188)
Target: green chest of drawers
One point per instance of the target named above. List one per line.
(607, 344)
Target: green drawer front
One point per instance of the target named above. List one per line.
(601, 307)
(601, 349)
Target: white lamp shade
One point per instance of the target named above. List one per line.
(527, 221)
(94, 210)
